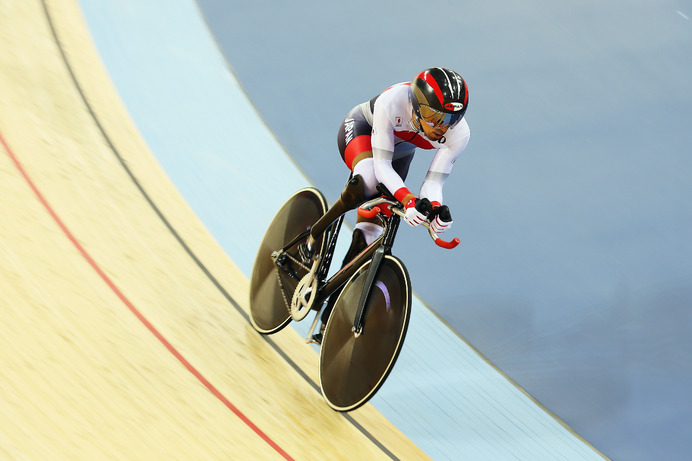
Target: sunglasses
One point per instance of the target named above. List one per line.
(434, 118)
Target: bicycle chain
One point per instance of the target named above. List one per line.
(283, 291)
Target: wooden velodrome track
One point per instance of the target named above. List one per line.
(124, 329)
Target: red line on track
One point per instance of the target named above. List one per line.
(136, 312)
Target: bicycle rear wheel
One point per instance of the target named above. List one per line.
(352, 369)
(272, 287)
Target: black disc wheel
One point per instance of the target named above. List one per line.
(274, 278)
(353, 367)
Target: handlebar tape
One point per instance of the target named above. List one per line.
(445, 244)
(368, 213)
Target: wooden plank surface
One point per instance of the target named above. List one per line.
(125, 332)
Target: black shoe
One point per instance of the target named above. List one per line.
(317, 339)
(357, 245)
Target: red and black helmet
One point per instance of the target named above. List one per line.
(439, 93)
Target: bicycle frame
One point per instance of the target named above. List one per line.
(375, 251)
(330, 224)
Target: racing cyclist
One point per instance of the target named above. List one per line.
(378, 138)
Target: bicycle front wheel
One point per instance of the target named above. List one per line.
(353, 368)
(271, 286)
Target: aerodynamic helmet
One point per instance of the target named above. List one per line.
(439, 96)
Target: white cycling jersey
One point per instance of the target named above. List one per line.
(394, 137)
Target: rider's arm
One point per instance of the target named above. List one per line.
(383, 153)
(439, 170)
(385, 173)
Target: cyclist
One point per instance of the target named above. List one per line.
(378, 138)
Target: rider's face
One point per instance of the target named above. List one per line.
(431, 128)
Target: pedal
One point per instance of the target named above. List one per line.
(280, 259)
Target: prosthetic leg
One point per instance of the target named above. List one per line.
(352, 196)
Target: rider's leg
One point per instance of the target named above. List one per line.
(356, 151)
(367, 229)
(352, 196)
(353, 140)
(364, 167)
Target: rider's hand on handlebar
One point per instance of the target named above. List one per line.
(417, 211)
(442, 220)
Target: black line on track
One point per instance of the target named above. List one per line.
(180, 240)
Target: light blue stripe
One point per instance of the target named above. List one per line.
(195, 117)
(199, 123)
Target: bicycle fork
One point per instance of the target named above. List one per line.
(369, 281)
(382, 250)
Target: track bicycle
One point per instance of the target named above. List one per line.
(366, 329)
